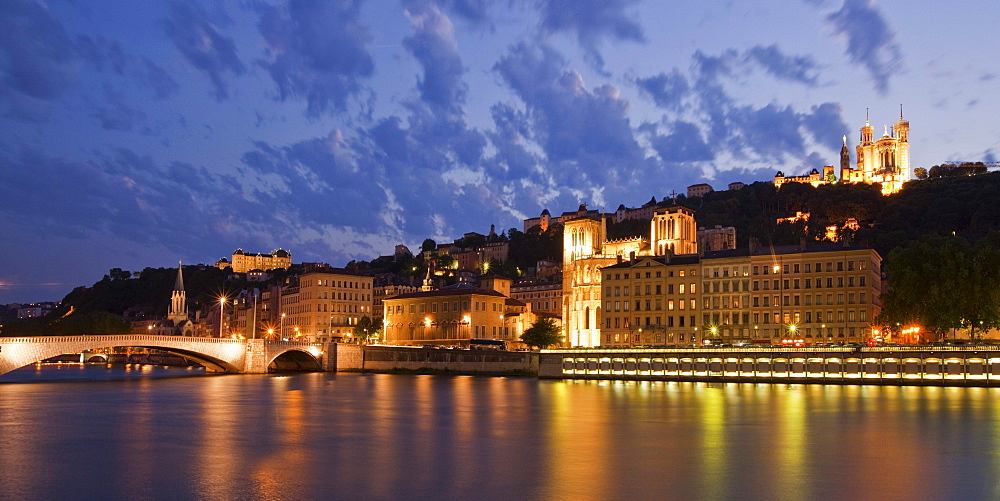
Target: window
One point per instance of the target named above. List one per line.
(692, 288)
(681, 288)
(795, 268)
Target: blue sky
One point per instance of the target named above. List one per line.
(139, 135)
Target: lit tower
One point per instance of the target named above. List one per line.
(902, 130)
(178, 300)
(583, 242)
(845, 161)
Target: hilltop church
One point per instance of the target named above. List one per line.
(884, 161)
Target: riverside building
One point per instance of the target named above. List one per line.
(323, 306)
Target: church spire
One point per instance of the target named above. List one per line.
(866, 118)
(428, 282)
(178, 300)
(179, 283)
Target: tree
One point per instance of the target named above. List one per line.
(943, 283)
(428, 245)
(542, 334)
(920, 173)
(365, 329)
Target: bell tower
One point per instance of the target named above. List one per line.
(178, 299)
(845, 161)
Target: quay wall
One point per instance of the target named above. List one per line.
(398, 358)
(938, 366)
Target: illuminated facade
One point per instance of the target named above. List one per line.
(243, 262)
(725, 297)
(586, 251)
(449, 316)
(651, 301)
(323, 306)
(884, 161)
(543, 297)
(826, 294)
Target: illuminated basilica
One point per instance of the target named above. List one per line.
(884, 161)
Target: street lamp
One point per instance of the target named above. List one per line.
(270, 332)
(281, 327)
(222, 306)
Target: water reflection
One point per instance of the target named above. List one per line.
(434, 437)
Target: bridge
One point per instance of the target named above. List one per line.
(248, 356)
(904, 365)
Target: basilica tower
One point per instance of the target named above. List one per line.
(584, 237)
(845, 161)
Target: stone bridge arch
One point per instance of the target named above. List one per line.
(285, 356)
(217, 355)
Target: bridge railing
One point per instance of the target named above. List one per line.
(115, 338)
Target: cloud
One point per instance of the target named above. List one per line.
(684, 144)
(799, 69)
(870, 41)
(667, 90)
(570, 122)
(317, 51)
(592, 22)
(116, 115)
(192, 32)
(37, 56)
(433, 44)
(475, 12)
(108, 55)
(769, 134)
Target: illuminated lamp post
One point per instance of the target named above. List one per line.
(296, 333)
(222, 307)
(270, 332)
(281, 327)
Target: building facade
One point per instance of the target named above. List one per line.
(323, 306)
(244, 262)
(445, 317)
(544, 297)
(884, 161)
(651, 301)
(825, 294)
(829, 293)
(586, 251)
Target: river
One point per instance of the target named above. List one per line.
(91, 432)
